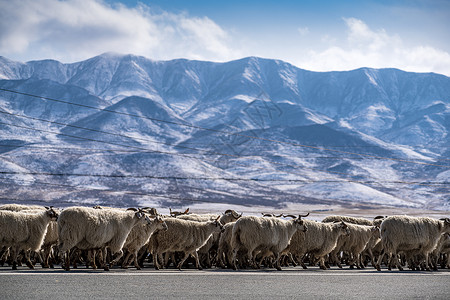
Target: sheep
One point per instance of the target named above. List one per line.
(50, 239)
(354, 244)
(265, 234)
(213, 242)
(404, 233)
(24, 231)
(182, 235)
(88, 228)
(359, 221)
(445, 249)
(319, 240)
(352, 220)
(374, 245)
(138, 237)
(224, 251)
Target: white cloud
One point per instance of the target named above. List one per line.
(78, 29)
(365, 47)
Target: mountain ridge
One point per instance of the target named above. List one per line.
(373, 130)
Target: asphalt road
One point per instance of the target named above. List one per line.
(291, 283)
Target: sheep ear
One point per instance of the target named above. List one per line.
(132, 208)
(46, 207)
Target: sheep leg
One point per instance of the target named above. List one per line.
(103, 257)
(67, 260)
(427, 267)
(118, 255)
(360, 261)
(28, 259)
(372, 257)
(322, 263)
(333, 257)
(14, 251)
(251, 259)
(380, 259)
(167, 256)
(186, 255)
(94, 255)
(292, 259)
(219, 258)
(136, 263)
(197, 262)
(389, 262)
(46, 255)
(125, 263)
(277, 261)
(300, 259)
(155, 260)
(235, 250)
(4, 255)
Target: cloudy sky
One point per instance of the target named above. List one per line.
(318, 35)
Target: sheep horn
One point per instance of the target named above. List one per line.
(235, 214)
(303, 216)
(290, 216)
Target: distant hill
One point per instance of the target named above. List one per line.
(252, 131)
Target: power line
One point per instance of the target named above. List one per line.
(217, 130)
(208, 152)
(179, 154)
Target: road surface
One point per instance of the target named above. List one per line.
(291, 283)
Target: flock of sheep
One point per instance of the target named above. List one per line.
(113, 236)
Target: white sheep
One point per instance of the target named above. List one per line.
(353, 244)
(182, 235)
(138, 237)
(410, 234)
(318, 241)
(24, 231)
(263, 234)
(88, 228)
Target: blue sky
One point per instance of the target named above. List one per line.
(317, 35)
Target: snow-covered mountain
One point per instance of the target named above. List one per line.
(252, 131)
